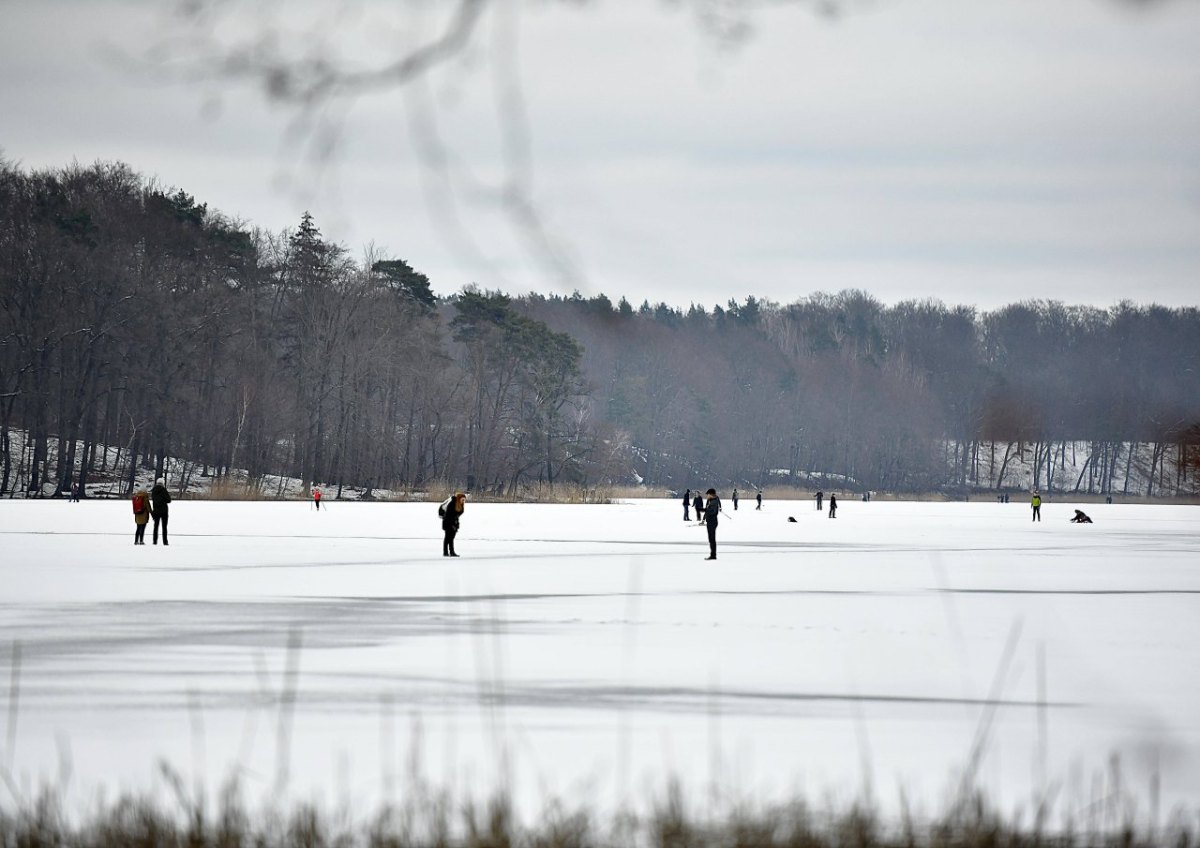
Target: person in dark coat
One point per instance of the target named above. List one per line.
(1081, 517)
(735, 500)
(820, 497)
(698, 506)
(687, 504)
(711, 510)
(141, 515)
(451, 513)
(833, 506)
(159, 499)
(758, 498)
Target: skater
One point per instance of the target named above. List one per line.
(1036, 503)
(820, 497)
(141, 515)
(159, 498)
(833, 506)
(450, 511)
(758, 498)
(317, 498)
(698, 506)
(735, 500)
(687, 504)
(1081, 517)
(711, 511)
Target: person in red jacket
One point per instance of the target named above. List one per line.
(317, 498)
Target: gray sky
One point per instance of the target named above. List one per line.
(977, 152)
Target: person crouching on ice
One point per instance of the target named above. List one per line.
(1081, 517)
(451, 511)
(711, 510)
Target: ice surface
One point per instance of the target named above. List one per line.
(588, 652)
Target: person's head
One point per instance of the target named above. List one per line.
(711, 493)
(161, 481)
(460, 498)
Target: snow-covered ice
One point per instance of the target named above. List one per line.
(588, 652)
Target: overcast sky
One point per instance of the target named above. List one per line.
(976, 152)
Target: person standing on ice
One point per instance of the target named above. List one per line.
(1036, 503)
(450, 511)
(159, 498)
(141, 515)
(735, 500)
(711, 510)
(832, 506)
(687, 504)
(758, 498)
(820, 495)
(317, 498)
(698, 505)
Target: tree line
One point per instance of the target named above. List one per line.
(140, 325)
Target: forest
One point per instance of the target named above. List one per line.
(139, 325)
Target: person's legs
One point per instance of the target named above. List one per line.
(712, 541)
(450, 534)
(446, 537)
(165, 517)
(156, 519)
(139, 530)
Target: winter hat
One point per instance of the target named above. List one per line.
(160, 481)
(712, 492)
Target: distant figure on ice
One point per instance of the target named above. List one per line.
(833, 506)
(450, 511)
(1108, 499)
(1036, 503)
(317, 498)
(159, 498)
(1081, 517)
(141, 515)
(698, 506)
(758, 498)
(74, 493)
(735, 500)
(711, 510)
(820, 496)
(687, 505)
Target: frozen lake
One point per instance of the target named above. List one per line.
(588, 652)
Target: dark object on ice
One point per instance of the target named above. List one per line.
(820, 498)
(159, 498)
(758, 498)
(833, 506)
(792, 519)
(1108, 499)
(1081, 517)
(711, 510)
(450, 511)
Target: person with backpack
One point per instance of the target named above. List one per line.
(141, 515)
(450, 512)
(159, 498)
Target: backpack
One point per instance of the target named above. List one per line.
(445, 505)
(139, 504)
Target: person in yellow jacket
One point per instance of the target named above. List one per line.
(1037, 506)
